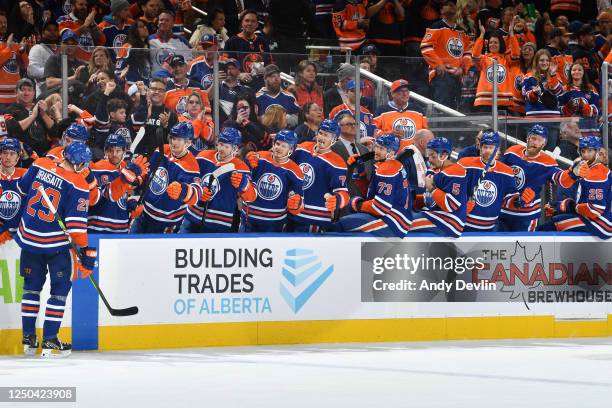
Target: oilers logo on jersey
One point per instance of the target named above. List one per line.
(486, 193)
(406, 126)
(309, 175)
(454, 46)
(11, 65)
(159, 182)
(119, 40)
(567, 69)
(501, 74)
(10, 202)
(269, 186)
(207, 81)
(518, 81)
(181, 105)
(214, 187)
(122, 202)
(86, 42)
(251, 59)
(125, 132)
(519, 176)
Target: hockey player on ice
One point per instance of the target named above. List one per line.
(45, 248)
(212, 202)
(279, 183)
(11, 202)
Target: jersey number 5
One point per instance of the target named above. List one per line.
(53, 194)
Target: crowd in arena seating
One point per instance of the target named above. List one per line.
(150, 64)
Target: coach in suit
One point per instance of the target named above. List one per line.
(346, 146)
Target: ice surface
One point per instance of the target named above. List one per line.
(531, 373)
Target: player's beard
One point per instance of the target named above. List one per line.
(532, 151)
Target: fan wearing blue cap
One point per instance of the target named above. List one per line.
(533, 169)
(366, 119)
(11, 202)
(51, 230)
(279, 183)
(110, 211)
(386, 210)
(324, 171)
(201, 67)
(590, 210)
(161, 213)
(445, 196)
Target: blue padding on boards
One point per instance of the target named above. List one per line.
(85, 309)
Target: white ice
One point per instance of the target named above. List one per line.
(474, 374)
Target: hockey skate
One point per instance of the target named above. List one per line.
(30, 345)
(55, 348)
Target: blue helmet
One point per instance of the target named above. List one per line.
(589, 142)
(230, 135)
(182, 130)
(330, 126)
(115, 140)
(287, 136)
(440, 145)
(490, 137)
(77, 153)
(77, 131)
(10, 144)
(389, 141)
(539, 130)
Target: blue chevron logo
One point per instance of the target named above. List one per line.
(303, 274)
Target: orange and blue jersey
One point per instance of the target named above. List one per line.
(86, 41)
(588, 112)
(594, 193)
(533, 101)
(446, 45)
(366, 119)
(390, 196)
(274, 182)
(11, 61)
(449, 197)
(284, 99)
(220, 209)
(38, 230)
(324, 173)
(109, 214)
(390, 118)
(201, 72)
(498, 185)
(345, 18)
(157, 204)
(113, 36)
(11, 202)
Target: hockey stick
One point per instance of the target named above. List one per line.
(139, 136)
(153, 170)
(364, 158)
(484, 173)
(226, 168)
(114, 312)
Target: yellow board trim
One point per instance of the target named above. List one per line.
(329, 331)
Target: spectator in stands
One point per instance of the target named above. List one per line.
(386, 20)
(274, 120)
(165, 41)
(396, 117)
(523, 35)
(351, 22)
(133, 63)
(324, 27)
(96, 92)
(201, 68)
(234, 12)
(230, 88)
(490, 17)
(312, 116)
(366, 125)
(371, 52)
(215, 25)
(13, 59)
(584, 53)
(496, 47)
(336, 95)
(568, 8)
(543, 31)
(368, 89)
(82, 21)
(581, 99)
(562, 21)
(115, 27)
(100, 60)
(203, 127)
(517, 74)
(22, 22)
(251, 50)
(77, 70)
(272, 94)
(541, 87)
(569, 137)
(447, 50)
(3, 26)
(40, 53)
(179, 87)
(557, 43)
(158, 117)
(244, 118)
(306, 88)
(603, 37)
(28, 121)
(472, 150)
(150, 13)
(572, 30)
(347, 146)
(507, 20)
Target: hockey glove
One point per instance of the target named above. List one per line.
(89, 178)
(352, 159)
(584, 210)
(470, 206)
(207, 195)
(580, 169)
(239, 180)
(331, 203)
(294, 204)
(527, 196)
(179, 191)
(87, 261)
(253, 159)
(5, 237)
(137, 210)
(135, 169)
(549, 211)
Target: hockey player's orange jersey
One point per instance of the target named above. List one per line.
(408, 122)
(176, 99)
(446, 45)
(11, 59)
(345, 24)
(484, 92)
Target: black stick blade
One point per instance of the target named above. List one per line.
(130, 311)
